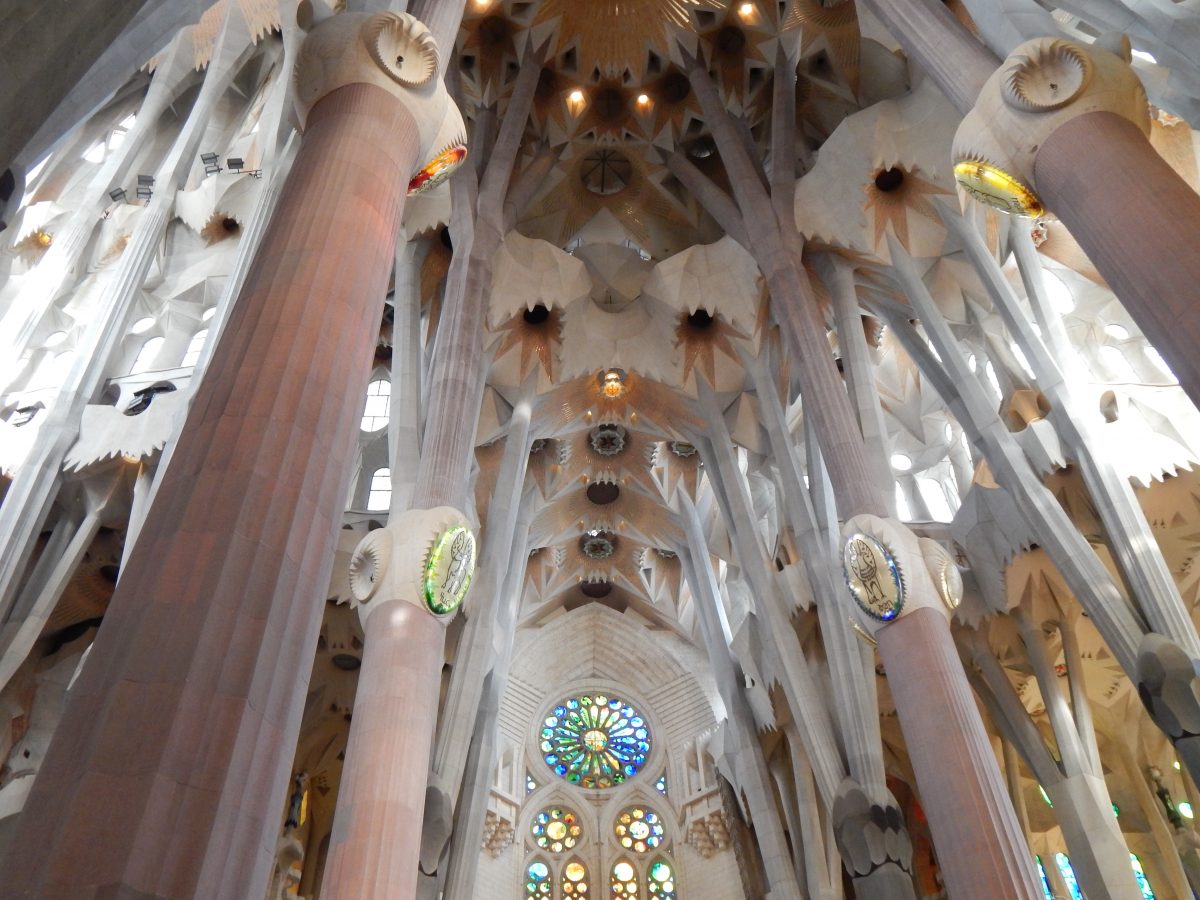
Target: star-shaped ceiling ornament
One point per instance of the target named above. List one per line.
(538, 332)
(898, 200)
(701, 335)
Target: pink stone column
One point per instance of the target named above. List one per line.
(1139, 223)
(376, 839)
(980, 845)
(167, 776)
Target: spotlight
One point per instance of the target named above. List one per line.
(746, 10)
(643, 99)
(576, 96)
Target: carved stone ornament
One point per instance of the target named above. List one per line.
(423, 556)
(448, 570)
(403, 47)
(1043, 84)
(944, 571)
(607, 440)
(873, 577)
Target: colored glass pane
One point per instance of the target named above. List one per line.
(624, 881)
(1045, 881)
(556, 829)
(574, 880)
(661, 785)
(639, 829)
(537, 880)
(661, 883)
(1140, 876)
(1068, 874)
(595, 741)
(530, 784)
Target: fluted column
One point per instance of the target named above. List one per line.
(1139, 223)
(173, 755)
(903, 587)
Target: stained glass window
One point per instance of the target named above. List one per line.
(574, 880)
(624, 880)
(595, 741)
(1068, 874)
(661, 785)
(661, 880)
(530, 784)
(1140, 876)
(556, 829)
(639, 829)
(537, 879)
(1045, 880)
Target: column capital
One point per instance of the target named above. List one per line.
(890, 571)
(394, 52)
(425, 557)
(1043, 84)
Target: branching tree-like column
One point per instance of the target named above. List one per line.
(171, 762)
(983, 855)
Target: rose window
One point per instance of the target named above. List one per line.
(595, 741)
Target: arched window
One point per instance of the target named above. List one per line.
(595, 741)
(639, 829)
(661, 880)
(380, 495)
(556, 829)
(537, 879)
(574, 880)
(624, 881)
(194, 347)
(146, 356)
(379, 405)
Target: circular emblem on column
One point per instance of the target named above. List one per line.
(402, 47)
(992, 186)
(437, 170)
(873, 577)
(448, 570)
(950, 584)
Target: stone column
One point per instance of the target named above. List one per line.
(172, 760)
(903, 587)
(1021, 148)
(408, 578)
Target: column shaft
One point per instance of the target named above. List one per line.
(1139, 224)
(168, 772)
(979, 843)
(376, 837)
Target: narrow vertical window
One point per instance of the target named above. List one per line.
(380, 496)
(379, 405)
(195, 346)
(146, 356)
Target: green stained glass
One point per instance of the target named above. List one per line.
(595, 741)
(661, 883)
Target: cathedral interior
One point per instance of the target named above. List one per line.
(563, 449)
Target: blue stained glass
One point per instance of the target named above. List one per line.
(1068, 874)
(1045, 881)
(600, 743)
(1140, 877)
(661, 787)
